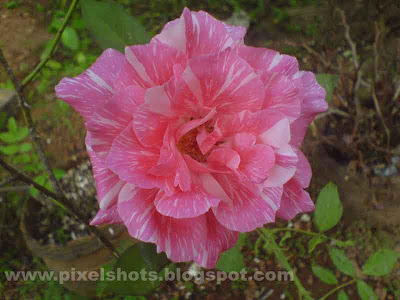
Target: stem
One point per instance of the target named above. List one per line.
(266, 235)
(53, 46)
(61, 201)
(337, 288)
(304, 232)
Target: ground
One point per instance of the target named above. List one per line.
(347, 146)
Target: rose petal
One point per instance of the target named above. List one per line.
(94, 87)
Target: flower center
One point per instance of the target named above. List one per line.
(188, 144)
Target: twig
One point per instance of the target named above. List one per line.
(62, 201)
(338, 288)
(7, 181)
(332, 110)
(32, 75)
(376, 67)
(14, 188)
(29, 121)
(356, 63)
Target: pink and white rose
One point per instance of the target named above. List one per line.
(195, 137)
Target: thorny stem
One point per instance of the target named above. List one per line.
(337, 288)
(32, 75)
(61, 201)
(266, 235)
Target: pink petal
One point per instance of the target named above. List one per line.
(247, 210)
(198, 33)
(281, 95)
(243, 141)
(188, 204)
(178, 238)
(227, 82)
(303, 170)
(256, 162)
(219, 239)
(284, 168)
(131, 161)
(150, 127)
(109, 120)
(201, 239)
(254, 123)
(294, 201)
(236, 32)
(278, 135)
(194, 124)
(94, 87)
(107, 216)
(312, 95)
(153, 64)
(226, 157)
(269, 60)
(108, 183)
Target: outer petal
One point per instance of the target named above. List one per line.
(198, 33)
(219, 239)
(107, 216)
(108, 184)
(248, 210)
(294, 201)
(284, 168)
(303, 170)
(281, 95)
(313, 102)
(94, 87)
(109, 121)
(153, 64)
(131, 161)
(269, 60)
(200, 239)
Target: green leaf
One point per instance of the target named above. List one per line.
(7, 137)
(342, 296)
(12, 125)
(344, 244)
(21, 134)
(59, 173)
(314, 242)
(328, 82)
(328, 210)
(380, 263)
(341, 261)
(365, 291)
(70, 38)
(112, 26)
(138, 259)
(323, 274)
(55, 65)
(25, 147)
(10, 149)
(231, 260)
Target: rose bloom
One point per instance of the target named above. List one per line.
(195, 137)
